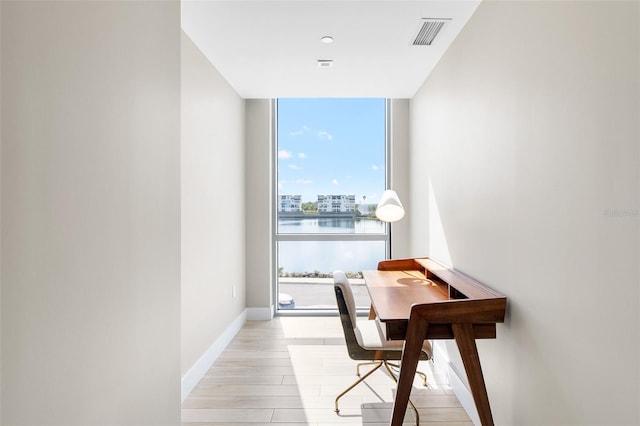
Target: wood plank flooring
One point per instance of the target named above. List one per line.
(288, 371)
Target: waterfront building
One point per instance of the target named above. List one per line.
(336, 203)
(290, 203)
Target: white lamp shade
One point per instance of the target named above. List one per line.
(389, 208)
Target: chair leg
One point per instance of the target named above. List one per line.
(388, 366)
(419, 373)
(365, 363)
(424, 378)
(395, 379)
(379, 364)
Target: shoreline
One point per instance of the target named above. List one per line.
(316, 281)
(287, 215)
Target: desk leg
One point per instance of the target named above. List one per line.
(469, 353)
(410, 357)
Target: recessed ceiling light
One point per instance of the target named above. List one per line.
(327, 39)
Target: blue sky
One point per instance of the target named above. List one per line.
(331, 146)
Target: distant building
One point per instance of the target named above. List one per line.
(290, 203)
(336, 203)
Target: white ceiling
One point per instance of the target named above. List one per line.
(270, 49)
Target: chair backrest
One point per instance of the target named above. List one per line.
(340, 281)
(347, 310)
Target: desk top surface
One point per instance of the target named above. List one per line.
(393, 292)
(399, 284)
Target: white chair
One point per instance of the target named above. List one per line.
(365, 340)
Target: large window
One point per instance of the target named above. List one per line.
(331, 171)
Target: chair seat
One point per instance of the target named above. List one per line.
(370, 336)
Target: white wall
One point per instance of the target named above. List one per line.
(90, 213)
(0, 215)
(400, 175)
(259, 199)
(525, 147)
(213, 207)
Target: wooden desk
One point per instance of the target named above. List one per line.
(418, 299)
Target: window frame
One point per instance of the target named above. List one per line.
(302, 237)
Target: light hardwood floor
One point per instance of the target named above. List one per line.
(288, 371)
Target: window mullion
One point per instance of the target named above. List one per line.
(332, 237)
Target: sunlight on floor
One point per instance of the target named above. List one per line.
(290, 370)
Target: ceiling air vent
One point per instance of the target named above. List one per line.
(429, 30)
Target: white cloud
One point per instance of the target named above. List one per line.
(325, 135)
(299, 132)
(304, 181)
(335, 182)
(294, 167)
(301, 155)
(284, 155)
(374, 167)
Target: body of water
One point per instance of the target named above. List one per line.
(327, 256)
(330, 225)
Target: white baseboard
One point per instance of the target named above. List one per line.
(463, 394)
(460, 389)
(260, 314)
(202, 365)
